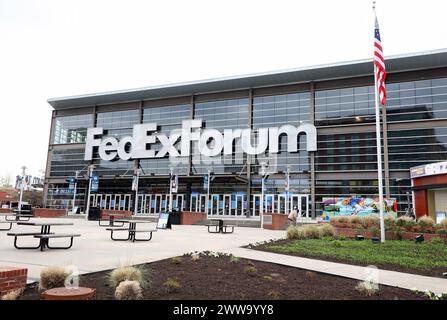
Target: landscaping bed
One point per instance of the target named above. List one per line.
(426, 258)
(215, 277)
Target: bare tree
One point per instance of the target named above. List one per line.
(5, 181)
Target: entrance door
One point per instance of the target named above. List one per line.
(153, 208)
(269, 203)
(227, 204)
(256, 205)
(240, 200)
(194, 204)
(214, 204)
(281, 203)
(202, 204)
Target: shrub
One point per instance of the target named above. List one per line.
(52, 277)
(341, 237)
(366, 288)
(309, 274)
(374, 231)
(342, 219)
(129, 290)
(327, 230)
(398, 233)
(292, 232)
(426, 221)
(172, 285)
(405, 221)
(13, 295)
(176, 260)
(355, 219)
(250, 269)
(195, 256)
(124, 273)
(389, 221)
(234, 259)
(312, 232)
(371, 220)
(443, 223)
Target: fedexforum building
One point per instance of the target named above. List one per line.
(310, 131)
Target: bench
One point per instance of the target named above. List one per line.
(7, 222)
(17, 217)
(131, 235)
(24, 234)
(45, 237)
(220, 227)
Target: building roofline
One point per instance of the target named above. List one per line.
(395, 63)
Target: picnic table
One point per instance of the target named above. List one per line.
(44, 235)
(7, 222)
(132, 230)
(218, 226)
(112, 221)
(17, 214)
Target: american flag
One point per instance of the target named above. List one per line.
(379, 63)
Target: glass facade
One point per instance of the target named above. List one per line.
(277, 110)
(72, 129)
(168, 118)
(346, 158)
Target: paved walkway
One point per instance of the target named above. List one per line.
(391, 278)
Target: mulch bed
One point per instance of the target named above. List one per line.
(433, 272)
(217, 278)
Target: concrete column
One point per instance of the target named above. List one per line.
(250, 125)
(313, 209)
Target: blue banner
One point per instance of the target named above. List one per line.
(205, 183)
(95, 183)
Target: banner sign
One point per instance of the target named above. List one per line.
(134, 183)
(359, 206)
(428, 170)
(174, 183)
(71, 182)
(163, 221)
(205, 183)
(95, 183)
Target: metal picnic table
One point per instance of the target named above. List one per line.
(131, 229)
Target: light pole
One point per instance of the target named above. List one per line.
(21, 188)
(263, 174)
(137, 174)
(208, 192)
(171, 175)
(90, 172)
(74, 192)
(287, 189)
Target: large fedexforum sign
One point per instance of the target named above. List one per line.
(211, 142)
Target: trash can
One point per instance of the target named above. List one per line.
(175, 217)
(94, 213)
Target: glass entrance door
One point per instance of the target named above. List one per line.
(227, 204)
(240, 204)
(256, 205)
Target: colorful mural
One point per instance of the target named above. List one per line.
(357, 206)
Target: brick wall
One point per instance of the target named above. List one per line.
(279, 221)
(5, 210)
(49, 213)
(12, 278)
(187, 217)
(125, 213)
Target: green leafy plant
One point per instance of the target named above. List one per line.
(336, 243)
(426, 221)
(375, 231)
(437, 240)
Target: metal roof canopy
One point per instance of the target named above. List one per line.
(400, 63)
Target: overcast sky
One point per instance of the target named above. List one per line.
(59, 48)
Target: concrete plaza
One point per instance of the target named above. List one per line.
(95, 251)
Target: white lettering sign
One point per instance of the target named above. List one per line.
(211, 142)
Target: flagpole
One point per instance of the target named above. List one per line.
(379, 148)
